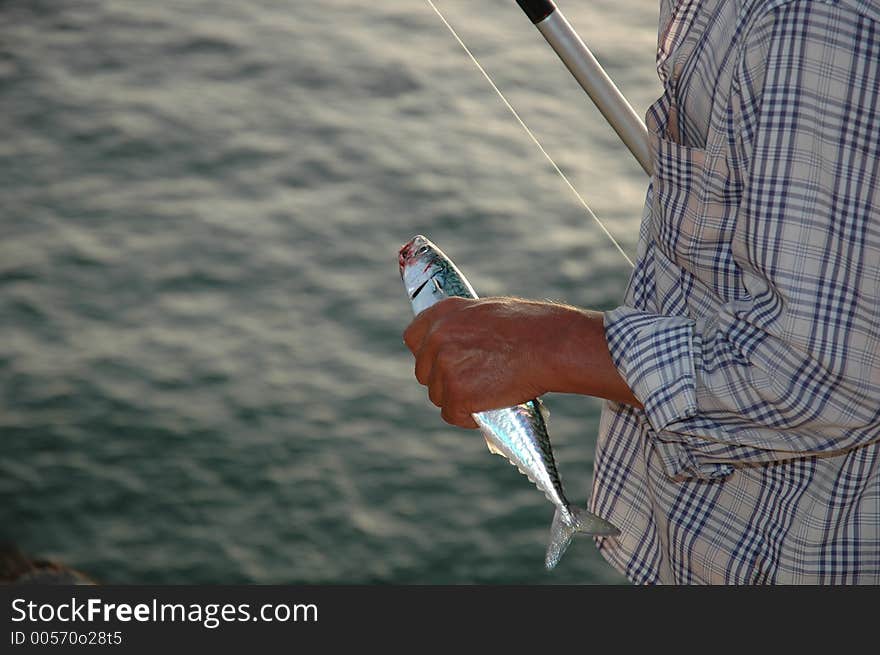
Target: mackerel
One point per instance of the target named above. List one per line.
(517, 433)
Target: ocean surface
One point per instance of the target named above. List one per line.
(202, 377)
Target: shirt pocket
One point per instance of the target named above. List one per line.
(677, 200)
(694, 203)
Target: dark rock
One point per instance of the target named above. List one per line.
(18, 568)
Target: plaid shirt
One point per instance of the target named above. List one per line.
(750, 330)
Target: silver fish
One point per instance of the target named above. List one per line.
(516, 433)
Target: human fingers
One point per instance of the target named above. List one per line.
(422, 324)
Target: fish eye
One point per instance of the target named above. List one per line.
(422, 250)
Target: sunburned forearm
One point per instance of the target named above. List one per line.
(581, 362)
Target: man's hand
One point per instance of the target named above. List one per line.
(491, 353)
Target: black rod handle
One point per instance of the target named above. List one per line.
(537, 10)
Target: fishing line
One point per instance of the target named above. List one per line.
(530, 133)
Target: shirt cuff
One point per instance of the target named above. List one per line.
(656, 356)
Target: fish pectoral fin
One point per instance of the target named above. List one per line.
(492, 447)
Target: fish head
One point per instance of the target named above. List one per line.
(429, 275)
(419, 261)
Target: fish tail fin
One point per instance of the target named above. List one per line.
(565, 526)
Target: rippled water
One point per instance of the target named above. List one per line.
(201, 372)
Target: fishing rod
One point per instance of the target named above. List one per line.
(531, 134)
(576, 56)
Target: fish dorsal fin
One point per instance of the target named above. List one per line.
(541, 407)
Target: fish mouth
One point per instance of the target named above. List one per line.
(406, 251)
(404, 254)
(401, 260)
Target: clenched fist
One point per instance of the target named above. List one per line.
(490, 353)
